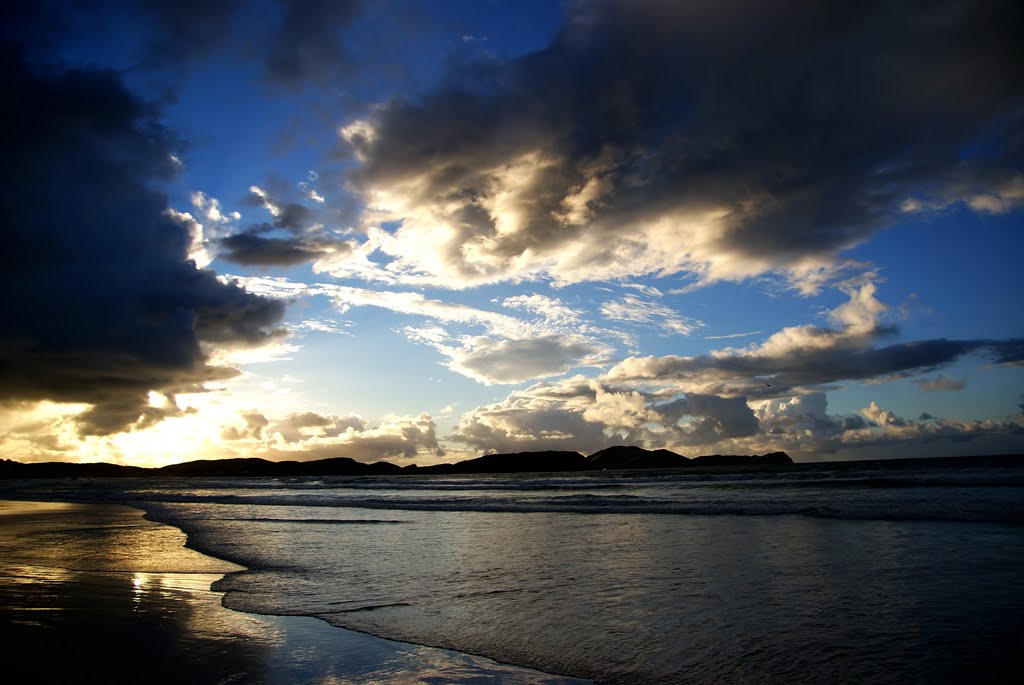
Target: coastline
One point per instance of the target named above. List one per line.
(114, 597)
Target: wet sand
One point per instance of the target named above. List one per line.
(102, 595)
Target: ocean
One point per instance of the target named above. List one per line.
(905, 571)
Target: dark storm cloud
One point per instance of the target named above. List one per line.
(295, 41)
(768, 373)
(941, 384)
(252, 249)
(182, 30)
(300, 236)
(806, 126)
(103, 304)
(305, 45)
(293, 216)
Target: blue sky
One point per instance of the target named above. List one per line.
(422, 231)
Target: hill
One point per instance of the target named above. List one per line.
(551, 461)
(742, 460)
(516, 462)
(632, 457)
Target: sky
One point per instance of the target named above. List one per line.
(424, 231)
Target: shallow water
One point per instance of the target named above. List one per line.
(860, 573)
(72, 609)
(652, 598)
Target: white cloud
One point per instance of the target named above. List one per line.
(633, 309)
(322, 325)
(619, 410)
(784, 378)
(551, 308)
(882, 417)
(590, 414)
(313, 436)
(731, 336)
(197, 251)
(205, 227)
(887, 428)
(404, 302)
(513, 361)
(511, 350)
(209, 208)
(265, 200)
(999, 197)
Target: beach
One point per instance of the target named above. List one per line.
(96, 593)
(889, 572)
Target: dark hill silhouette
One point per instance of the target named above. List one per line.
(221, 468)
(632, 457)
(618, 457)
(742, 460)
(516, 462)
(336, 466)
(63, 469)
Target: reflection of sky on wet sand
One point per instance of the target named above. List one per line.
(105, 595)
(97, 537)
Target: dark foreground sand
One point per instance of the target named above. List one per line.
(94, 593)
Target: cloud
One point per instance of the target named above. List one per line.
(721, 417)
(417, 304)
(801, 357)
(255, 422)
(250, 248)
(882, 417)
(288, 215)
(802, 420)
(544, 416)
(941, 383)
(204, 228)
(731, 335)
(1000, 198)
(801, 424)
(602, 157)
(550, 308)
(633, 309)
(309, 435)
(590, 414)
(511, 350)
(108, 305)
(295, 42)
(306, 44)
(295, 234)
(761, 398)
(296, 427)
(513, 361)
(887, 428)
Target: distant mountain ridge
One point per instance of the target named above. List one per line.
(551, 461)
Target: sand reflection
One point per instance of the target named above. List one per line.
(106, 596)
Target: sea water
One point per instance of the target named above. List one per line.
(880, 572)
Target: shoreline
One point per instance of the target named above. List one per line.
(120, 598)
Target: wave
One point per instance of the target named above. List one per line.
(836, 492)
(993, 510)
